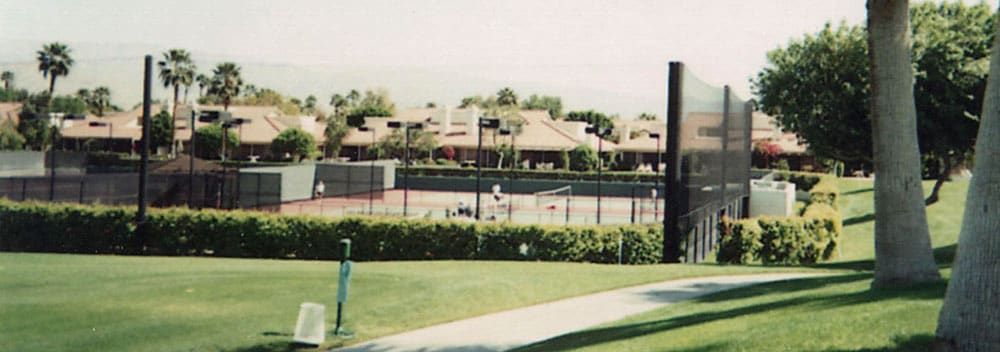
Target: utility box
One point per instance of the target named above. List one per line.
(773, 198)
(311, 325)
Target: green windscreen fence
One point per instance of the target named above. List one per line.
(708, 163)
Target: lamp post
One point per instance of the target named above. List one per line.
(510, 174)
(491, 123)
(407, 126)
(212, 116)
(656, 173)
(371, 170)
(191, 154)
(238, 122)
(600, 133)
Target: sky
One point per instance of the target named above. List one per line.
(608, 55)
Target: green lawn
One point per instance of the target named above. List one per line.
(832, 313)
(53, 302)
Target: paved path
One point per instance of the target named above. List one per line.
(522, 326)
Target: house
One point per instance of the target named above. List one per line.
(792, 149)
(539, 139)
(121, 131)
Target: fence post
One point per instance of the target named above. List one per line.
(24, 189)
(82, 182)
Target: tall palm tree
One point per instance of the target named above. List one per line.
(101, 97)
(339, 103)
(226, 83)
(903, 253)
(7, 77)
(54, 61)
(972, 301)
(176, 69)
(203, 81)
(353, 97)
(506, 97)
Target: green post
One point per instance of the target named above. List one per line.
(342, 286)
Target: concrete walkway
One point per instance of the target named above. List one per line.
(509, 329)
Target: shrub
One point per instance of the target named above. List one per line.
(453, 171)
(786, 240)
(294, 142)
(778, 240)
(37, 227)
(583, 158)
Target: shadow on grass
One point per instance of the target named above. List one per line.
(615, 333)
(943, 256)
(279, 346)
(915, 343)
(854, 220)
(857, 191)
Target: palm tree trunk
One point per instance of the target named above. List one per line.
(970, 317)
(52, 84)
(186, 94)
(903, 254)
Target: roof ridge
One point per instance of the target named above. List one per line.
(560, 131)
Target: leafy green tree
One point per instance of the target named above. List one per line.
(54, 61)
(226, 83)
(161, 129)
(293, 142)
(353, 97)
(430, 105)
(336, 129)
(356, 118)
(506, 97)
(35, 132)
(544, 102)
(176, 69)
(647, 117)
(818, 87)
(591, 117)
(209, 139)
(476, 100)
(583, 158)
(8, 78)
(9, 138)
(393, 145)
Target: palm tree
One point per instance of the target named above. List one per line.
(973, 297)
(353, 97)
(903, 253)
(226, 83)
(101, 97)
(54, 61)
(176, 69)
(506, 97)
(202, 83)
(339, 103)
(7, 77)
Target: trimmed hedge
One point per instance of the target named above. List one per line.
(623, 176)
(66, 228)
(806, 239)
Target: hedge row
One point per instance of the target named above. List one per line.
(622, 176)
(65, 228)
(803, 239)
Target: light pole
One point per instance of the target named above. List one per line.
(510, 174)
(491, 123)
(406, 157)
(222, 117)
(238, 122)
(371, 169)
(191, 154)
(600, 133)
(656, 173)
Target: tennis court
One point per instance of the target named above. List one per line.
(542, 208)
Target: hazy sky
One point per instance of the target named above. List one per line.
(608, 55)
